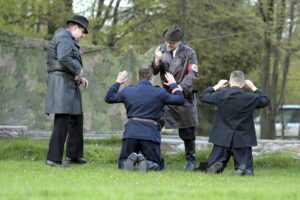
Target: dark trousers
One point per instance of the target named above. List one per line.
(188, 136)
(240, 156)
(151, 151)
(66, 125)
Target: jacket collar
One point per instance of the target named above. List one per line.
(67, 33)
(145, 82)
(164, 48)
(236, 88)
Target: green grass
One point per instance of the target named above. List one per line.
(23, 175)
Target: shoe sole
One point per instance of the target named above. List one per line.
(141, 162)
(215, 168)
(129, 162)
(57, 165)
(142, 167)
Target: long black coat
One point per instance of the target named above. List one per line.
(64, 62)
(179, 116)
(234, 125)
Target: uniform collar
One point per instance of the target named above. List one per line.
(147, 82)
(68, 33)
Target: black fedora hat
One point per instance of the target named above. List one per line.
(173, 34)
(81, 20)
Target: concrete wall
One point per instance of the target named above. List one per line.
(23, 83)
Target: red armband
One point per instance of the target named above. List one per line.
(192, 67)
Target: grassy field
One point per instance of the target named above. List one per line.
(23, 175)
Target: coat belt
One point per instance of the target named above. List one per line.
(143, 119)
(69, 76)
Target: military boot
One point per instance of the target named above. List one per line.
(190, 154)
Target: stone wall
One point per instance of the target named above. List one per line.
(13, 131)
(23, 83)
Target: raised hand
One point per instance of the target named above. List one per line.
(221, 84)
(170, 79)
(158, 56)
(122, 77)
(249, 84)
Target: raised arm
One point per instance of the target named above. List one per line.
(112, 95)
(209, 95)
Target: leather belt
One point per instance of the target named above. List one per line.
(143, 119)
(67, 75)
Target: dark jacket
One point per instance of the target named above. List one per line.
(143, 101)
(184, 116)
(234, 125)
(63, 63)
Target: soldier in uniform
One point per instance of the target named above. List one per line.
(181, 61)
(63, 98)
(144, 104)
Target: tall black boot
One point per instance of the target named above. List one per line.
(189, 154)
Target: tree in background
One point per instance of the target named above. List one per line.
(279, 20)
(227, 35)
(38, 18)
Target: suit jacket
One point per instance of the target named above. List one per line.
(234, 125)
(184, 116)
(64, 62)
(143, 101)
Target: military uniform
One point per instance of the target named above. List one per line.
(182, 63)
(144, 104)
(63, 97)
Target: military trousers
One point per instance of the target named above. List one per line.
(66, 127)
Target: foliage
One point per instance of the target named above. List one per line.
(280, 19)
(226, 35)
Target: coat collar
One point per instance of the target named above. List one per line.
(145, 82)
(236, 88)
(67, 33)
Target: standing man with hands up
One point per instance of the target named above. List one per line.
(233, 132)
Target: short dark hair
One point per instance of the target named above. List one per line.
(145, 74)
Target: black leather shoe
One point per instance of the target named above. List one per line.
(130, 162)
(57, 164)
(152, 166)
(215, 168)
(141, 163)
(76, 160)
(190, 165)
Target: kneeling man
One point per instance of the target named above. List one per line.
(144, 104)
(233, 131)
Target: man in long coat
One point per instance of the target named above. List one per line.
(233, 132)
(181, 61)
(63, 98)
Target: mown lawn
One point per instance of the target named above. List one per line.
(23, 175)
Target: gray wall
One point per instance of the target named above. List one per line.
(23, 83)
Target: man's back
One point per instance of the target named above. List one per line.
(144, 100)
(144, 104)
(234, 126)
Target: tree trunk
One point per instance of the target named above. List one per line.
(111, 39)
(267, 121)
